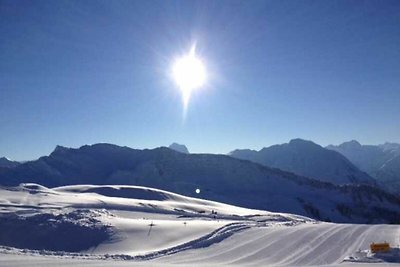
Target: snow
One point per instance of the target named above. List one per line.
(150, 227)
(366, 256)
(304, 244)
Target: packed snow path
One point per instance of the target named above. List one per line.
(300, 245)
(304, 244)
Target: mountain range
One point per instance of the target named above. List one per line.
(307, 159)
(379, 161)
(219, 177)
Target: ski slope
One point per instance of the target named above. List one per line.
(149, 227)
(304, 244)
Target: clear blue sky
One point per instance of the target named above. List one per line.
(83, 72)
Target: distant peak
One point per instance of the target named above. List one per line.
(59, 149)
(6, 162)
(352, 143)
(355, 142)
(179, 148)
(387, 146)
(101, 146)
(391, 144)
(246, 150)
(302, 142)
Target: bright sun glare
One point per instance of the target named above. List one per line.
(189, 73)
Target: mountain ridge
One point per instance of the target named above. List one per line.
(380, 161)
(7, 163)
(219, 177)
(309, 159)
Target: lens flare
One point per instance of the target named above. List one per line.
(189, 74)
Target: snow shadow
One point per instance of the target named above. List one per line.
(393, 256)
(135, 193)
(70, 232)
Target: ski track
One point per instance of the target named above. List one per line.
(202, 242)
(260, 244)
(305, 244)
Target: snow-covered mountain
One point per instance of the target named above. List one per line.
(179, 148)
(381, 161)
(6, 163)
(369, 158)
(219, 178)
(308, 159)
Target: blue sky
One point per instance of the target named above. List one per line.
(83, 72)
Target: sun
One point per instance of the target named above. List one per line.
(189, 73)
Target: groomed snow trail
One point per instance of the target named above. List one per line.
(304, 244)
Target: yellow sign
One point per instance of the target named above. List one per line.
(380, 247)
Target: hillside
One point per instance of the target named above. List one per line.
(218, 177)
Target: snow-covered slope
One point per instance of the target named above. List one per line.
(302, 245)
(219, 178)
(125, 220)
(381, 161)
(142, 226)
